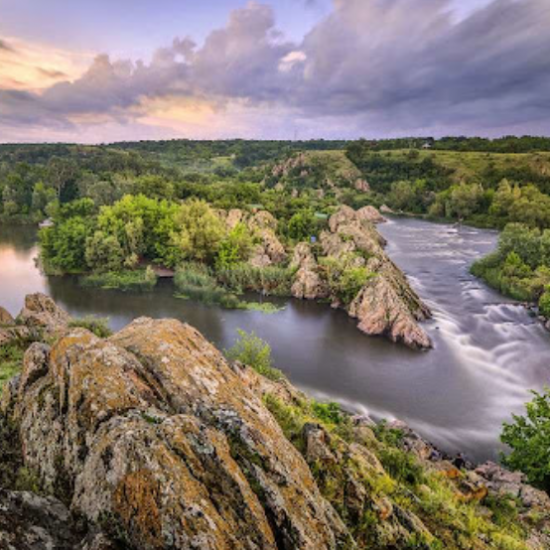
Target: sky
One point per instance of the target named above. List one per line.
(112, 70)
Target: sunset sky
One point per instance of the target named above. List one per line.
(112, 70)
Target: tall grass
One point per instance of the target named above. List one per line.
(271, 280)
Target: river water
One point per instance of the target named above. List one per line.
(488, 351)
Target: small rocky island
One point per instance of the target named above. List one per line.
(151, 439)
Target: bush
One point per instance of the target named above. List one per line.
(529, 439)
(271, 280)
(345, 281)
(254, 352)
(194, 281)
(99, 326)
(142, 280)
(235, 248)
(544, 303)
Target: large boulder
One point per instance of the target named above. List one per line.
(153, 430)
(42, 313)
(5, 318)
(371, 214)
(32, 522)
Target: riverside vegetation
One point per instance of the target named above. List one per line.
(232, 217)
(151, 439)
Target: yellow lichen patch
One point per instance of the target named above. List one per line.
(135, 501)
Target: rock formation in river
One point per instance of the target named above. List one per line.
(386, 305)
(151, 440)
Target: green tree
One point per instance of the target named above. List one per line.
(302, 225)
(198, 230)
(528, 437)
(235, 247)
(103, 252)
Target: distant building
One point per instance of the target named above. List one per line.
(427, 145)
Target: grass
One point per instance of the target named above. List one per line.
(452, 520)
(271, 280)
(472, 165)
(11, 360)
(141, 280)
(99, 326)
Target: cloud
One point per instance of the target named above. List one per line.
(372, 67)
(5, 47)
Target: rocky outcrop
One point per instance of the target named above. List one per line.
(371, 214)
(5, 318)
(32, 522)
(40, 317)
(42, 313)
(269, 249)
(150, 440)
(153, 430)
(386, 305)
(362, 185)
(308, 283)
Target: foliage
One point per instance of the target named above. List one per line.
(194, 281)
(199, 230)
(235, 247)
(302, 226)
(254, 352)
(345, 277)
(11, 360)
(140, 280)
(520, 266)
(544, 303)
(270, 280)
(528, 437)
(99, 326)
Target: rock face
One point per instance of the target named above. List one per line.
(308, 283)
(386, 305)
(370, 214)
(263, 225)
(41, 312)
(32, 522)
(40, 317)
(154, 430)
(151, 440)
(5, 318)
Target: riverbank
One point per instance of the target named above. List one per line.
(157, 421)
(457, 395)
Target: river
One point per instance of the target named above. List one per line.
(488, 351)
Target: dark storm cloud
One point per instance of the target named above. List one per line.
(391, 65)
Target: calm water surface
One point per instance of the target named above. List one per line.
(488, 351)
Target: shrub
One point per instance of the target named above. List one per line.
(235, 248)
(254, 352)
(194, 281)
(529, 439)
(99, 326)
(544, 303)
(271, 280)
(345, 280)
